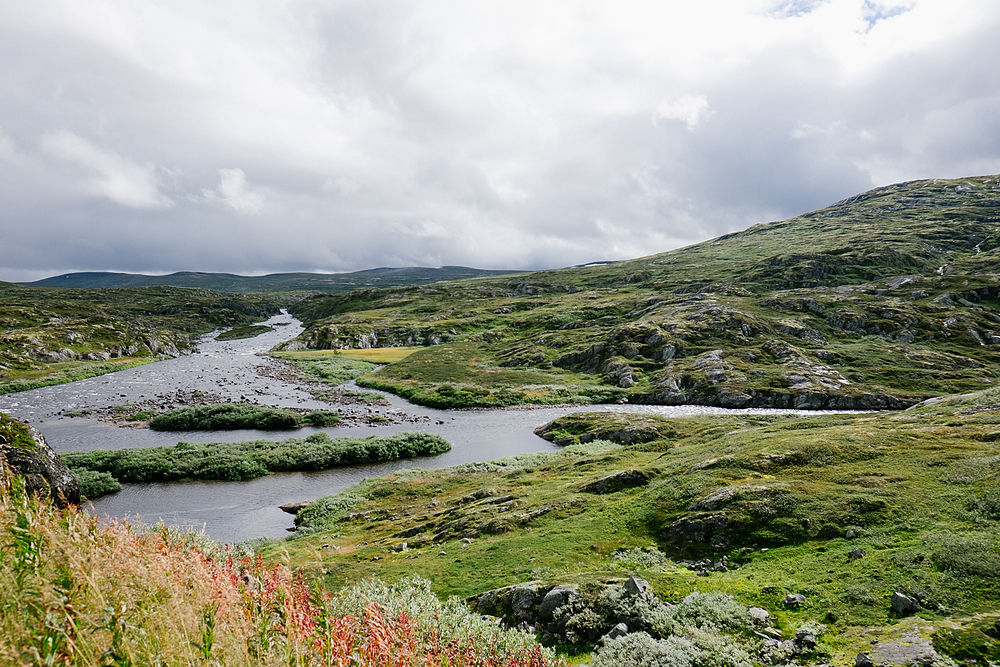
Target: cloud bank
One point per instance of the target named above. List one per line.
(321, 135)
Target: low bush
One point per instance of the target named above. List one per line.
(225, 417)
(322, 418)
(95, 484)
(640, 650)
(246, 460)
(649, 558)
(714, 610)
(969, 557)
(985, 507)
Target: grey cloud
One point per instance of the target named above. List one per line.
(342, 135)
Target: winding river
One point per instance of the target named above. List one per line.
(230, 371)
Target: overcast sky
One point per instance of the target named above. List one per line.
(259, 137)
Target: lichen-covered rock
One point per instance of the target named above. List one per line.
(903, 604)
(554, 599)
(24, 453)
(626, 479)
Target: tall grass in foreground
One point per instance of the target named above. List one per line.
(78, 593)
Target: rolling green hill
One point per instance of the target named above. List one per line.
(877, 301)
(275, 282)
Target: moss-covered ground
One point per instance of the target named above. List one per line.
(784, 498)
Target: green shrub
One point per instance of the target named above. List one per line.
(639, 559)
(638, 649)
(246, 460)
(245, 331)
(322, 418)
(224, 417)
(985, 507)
(448, 622)
(95, 484)
(327, 510)
(714, 610)
(969, 557)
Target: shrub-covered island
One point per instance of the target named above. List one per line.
(235, 416)
(100, 471)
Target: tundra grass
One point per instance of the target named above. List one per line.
(241, 332)
(785, 498)
(333, 369)
(462, 375)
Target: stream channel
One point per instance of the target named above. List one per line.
(231, 371)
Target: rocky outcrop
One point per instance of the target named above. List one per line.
(25, 453)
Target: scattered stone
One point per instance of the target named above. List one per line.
(619, 630)
(293, 508)
(903, 604)
(855, 554)
(618, 481)
(793, 600)
(863, 660)
(850, 534)
(637, 587)
(759, 617)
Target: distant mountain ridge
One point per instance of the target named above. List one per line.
(274, 282)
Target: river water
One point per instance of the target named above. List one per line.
(230, 371)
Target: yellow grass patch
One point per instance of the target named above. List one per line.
(379, 355)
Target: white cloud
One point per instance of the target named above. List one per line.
(233, 193)
(692, 109)
(117, 178)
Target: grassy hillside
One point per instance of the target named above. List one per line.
(878, 301)
(845, 510)
(275, 282)
(58, 335)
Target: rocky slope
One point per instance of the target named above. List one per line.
(25, 453)
(876, 302)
